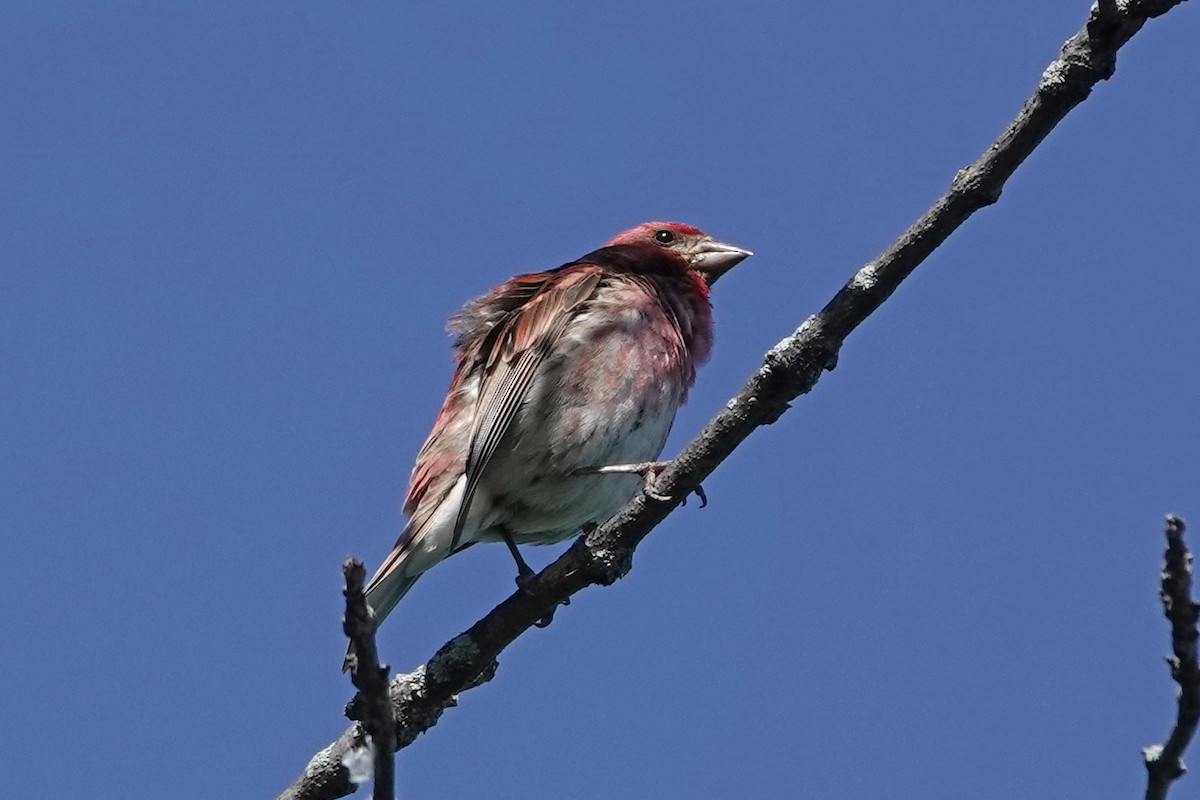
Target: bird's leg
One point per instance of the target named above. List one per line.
(649, 470)
(525, 574)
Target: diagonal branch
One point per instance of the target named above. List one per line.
(790, 369)
(1164, 762)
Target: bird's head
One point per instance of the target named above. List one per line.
(700, 252)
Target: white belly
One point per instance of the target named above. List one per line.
(539, 501)
(615, 406)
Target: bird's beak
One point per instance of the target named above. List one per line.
(713, 259)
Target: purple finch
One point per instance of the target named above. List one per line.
(559, 373)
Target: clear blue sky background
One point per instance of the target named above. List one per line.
(230, 237)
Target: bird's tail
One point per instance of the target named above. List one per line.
(385, 590)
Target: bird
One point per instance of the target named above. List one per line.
(566, 385)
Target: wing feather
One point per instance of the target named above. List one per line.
(520, 346)
(503, 337)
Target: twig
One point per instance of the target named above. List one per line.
(790, 369)
(372, 706)
(1164, 762)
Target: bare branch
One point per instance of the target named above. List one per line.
(790, 369)
(372, 705)
(1164, 762)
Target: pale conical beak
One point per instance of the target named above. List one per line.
(713, 259)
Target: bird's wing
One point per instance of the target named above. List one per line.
(503, 338)
(509, 356)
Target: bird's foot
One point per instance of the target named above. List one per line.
(524, 579)
(649, 470)
(525, 576)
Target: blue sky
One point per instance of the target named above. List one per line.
(229, 240)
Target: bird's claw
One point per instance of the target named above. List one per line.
(525, 576)
(524, 579)
(699, 492)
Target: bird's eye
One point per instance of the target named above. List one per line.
(664, 236)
